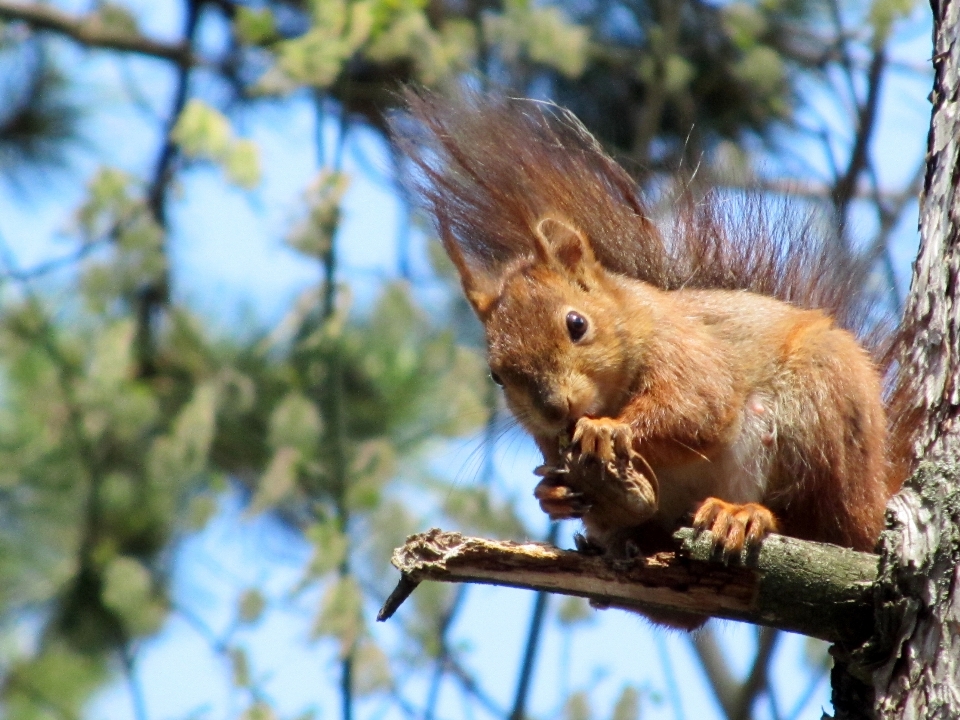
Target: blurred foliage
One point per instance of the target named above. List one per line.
(325, 423)
(203, 132)
(38, 118)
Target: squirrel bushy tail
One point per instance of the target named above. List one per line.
(489, 169)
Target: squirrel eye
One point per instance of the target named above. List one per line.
(576, 325)
(496, 378)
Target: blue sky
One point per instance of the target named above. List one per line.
(230, 264)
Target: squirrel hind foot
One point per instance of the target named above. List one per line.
(733, 527)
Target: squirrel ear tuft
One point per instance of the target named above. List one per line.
(559, 241)
(481, 302)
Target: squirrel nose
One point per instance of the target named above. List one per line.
(554, 406)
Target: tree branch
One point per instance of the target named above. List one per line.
(811, 588)
(89, 30)
(756, 681)
(717, 669)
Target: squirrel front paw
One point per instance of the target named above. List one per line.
(557, 499)
(603, 438)
(733, 526)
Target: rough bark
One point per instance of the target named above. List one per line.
(910, 668)
(811, 588)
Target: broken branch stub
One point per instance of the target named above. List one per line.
(811, 588)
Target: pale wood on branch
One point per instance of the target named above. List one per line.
(812, 588)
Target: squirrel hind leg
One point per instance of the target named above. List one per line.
(734, 527)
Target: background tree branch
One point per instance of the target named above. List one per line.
(90, 30)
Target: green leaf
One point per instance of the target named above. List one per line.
(436, 54)
(628, 704)
(57, 672)
(475, 510)
(254, 26)
(194, 427)
(556, 42)
(341, 615)
(251, 606)
(295, 423)
(240, 666)
(243, 164)
(259, 711)
(126, 583)
(116, 18)
(329, 548)
(202, 131)
(371, 670)
(278, 481)
(373, 465)
(200, 510)
(431, 601)
(112, 361)
(314, 236)
(108, 202)
(744, 23)
(763, 68)
(884, 14)
(544, 34)
(128, 591)
(118, 494)
(464, 388)
(577, 707)
(316, 57)
(678, 72)
(361, 24)
(574, 611)
(183, 454)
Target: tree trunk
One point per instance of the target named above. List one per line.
(911, 667)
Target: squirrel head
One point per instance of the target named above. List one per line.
(554, 332)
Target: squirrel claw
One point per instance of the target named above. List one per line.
(585, 546)
(603, 438)
(560, 502)
(549, 470)
(733, 527)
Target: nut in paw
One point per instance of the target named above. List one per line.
(559, 501)
(640, 492)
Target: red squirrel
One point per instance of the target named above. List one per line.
(710, 372)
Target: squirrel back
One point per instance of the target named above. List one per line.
(491, 171)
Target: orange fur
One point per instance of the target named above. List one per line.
(720, 372)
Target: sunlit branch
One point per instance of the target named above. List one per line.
(717, 669)
(812, 588)
(90, 30)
